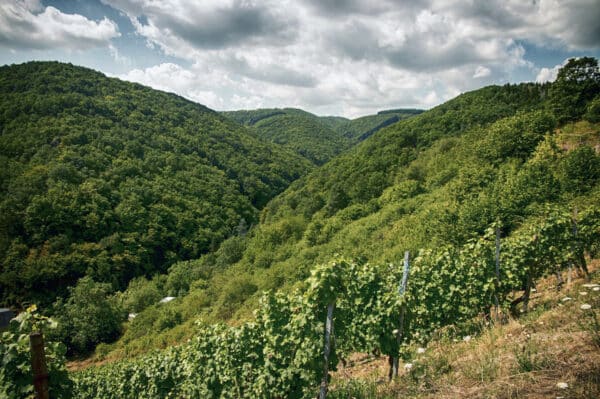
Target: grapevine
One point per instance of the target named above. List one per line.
(279, 354)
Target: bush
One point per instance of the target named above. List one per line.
(580, 170)
(140, 294)
(593, 111)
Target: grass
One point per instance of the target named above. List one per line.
(526, 357)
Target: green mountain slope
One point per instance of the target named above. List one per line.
(113, 180)
(361, 128)
(333, 121)
(318, 138)
(406, 187)
(311, 136)
(441, 177)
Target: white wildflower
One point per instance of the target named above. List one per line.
(408, 366)
(420, 350)
(467, 338)
(562, 385)
(585, 306)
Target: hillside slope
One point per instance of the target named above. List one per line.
(439, 178)
(113, 180)
(318, 138)
(361, 128)
(551, 351)
(306, 134)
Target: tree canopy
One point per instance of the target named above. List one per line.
(576, 84)
(113, 180)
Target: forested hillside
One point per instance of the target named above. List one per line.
(501, 154)
(112, 180)
(308, 135)
(318, 138)
(361, 128)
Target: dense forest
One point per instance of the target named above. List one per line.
(113, 180)
(317, 138)
(302, 132)
(361, 128)
(500, 154)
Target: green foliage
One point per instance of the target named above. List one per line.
(436, 179)
(16, 376)
(580, 170)
(592, 113)
(515, 137)
(89, 316)
(577, 83)
(113, 180)
(529, 357)
(306, 134)
(357, 389)
(278, 354)
(142, 293)
(360, 129)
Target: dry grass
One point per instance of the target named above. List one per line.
(522, 358)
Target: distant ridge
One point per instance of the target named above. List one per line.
(411, 111)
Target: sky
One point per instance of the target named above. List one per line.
(330, 57)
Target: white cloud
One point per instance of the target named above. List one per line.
(348, 56)
(572, 24)
(118, 57)
(482, 72)
(26, 24)
(549, 74)
(174, 78)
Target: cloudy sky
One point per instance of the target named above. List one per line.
(330, 57)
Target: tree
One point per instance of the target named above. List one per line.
(577, 83)
(89, 316)
(580, 170)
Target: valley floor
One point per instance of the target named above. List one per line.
(553, 351)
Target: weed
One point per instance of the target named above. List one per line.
(529, 358)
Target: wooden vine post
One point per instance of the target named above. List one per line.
(570, 270)
(327, 350)
(402, 291)
(497, 281)
(38, 366)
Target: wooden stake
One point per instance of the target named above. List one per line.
(38, 365)
(401, 291)
(570, 269)
(497, 285)
(327, 350)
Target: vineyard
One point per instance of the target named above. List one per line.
(281, 352)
